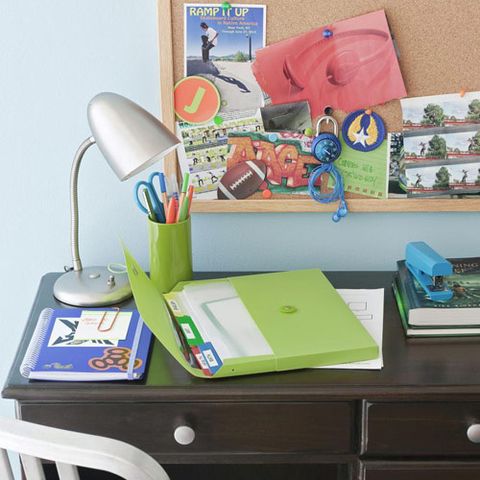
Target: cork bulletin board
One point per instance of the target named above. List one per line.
(438, 42)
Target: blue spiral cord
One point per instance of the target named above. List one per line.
(337, 194)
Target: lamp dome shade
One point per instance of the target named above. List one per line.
(130, 138)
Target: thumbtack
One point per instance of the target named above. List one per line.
(225, 7)
(327, 33)
(267, 194)
(462, 92)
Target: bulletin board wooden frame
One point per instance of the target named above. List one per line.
(438, 45)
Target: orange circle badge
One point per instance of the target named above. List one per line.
(196, 100)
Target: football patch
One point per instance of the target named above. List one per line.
(243, 180)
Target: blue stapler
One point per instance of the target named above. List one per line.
(429, 268)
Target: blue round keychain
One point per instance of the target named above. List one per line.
(326, 148)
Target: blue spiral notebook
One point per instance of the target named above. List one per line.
(87, 345)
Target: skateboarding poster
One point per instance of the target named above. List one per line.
(220, 45)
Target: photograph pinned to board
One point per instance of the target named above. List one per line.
(396, 166)
(441, 111)
(220, 45)
(438, 178)
(456, 144)
(287, 117)
(347, 65)
(204, 152)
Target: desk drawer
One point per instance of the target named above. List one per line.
(444, 470)
(417, 429)
(218, 427)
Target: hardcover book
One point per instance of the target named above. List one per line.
(463, 310)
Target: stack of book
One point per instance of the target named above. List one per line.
(421, 317)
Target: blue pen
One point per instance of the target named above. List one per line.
(163, 190)
(174, 186)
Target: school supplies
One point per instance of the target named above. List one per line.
(191, 190)
(170, 251)
(173, 186)
(254, 323)
(367, 306)
(170, 211)
(429, 270)
(182, 206)
(149, 205)
(157, 205)
(458, 316)
(183, 210)
(163, 190)
(87, 345)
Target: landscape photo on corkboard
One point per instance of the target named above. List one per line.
(424, 61)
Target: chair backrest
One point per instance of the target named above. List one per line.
(69, 450)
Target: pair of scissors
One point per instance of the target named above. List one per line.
(157, 205)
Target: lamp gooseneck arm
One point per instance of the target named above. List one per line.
(86, 144)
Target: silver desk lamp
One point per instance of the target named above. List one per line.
(130, 139)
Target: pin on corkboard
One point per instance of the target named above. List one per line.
(438, 45)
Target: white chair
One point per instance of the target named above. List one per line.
(69, 450)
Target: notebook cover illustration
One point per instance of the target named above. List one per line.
(55, 354)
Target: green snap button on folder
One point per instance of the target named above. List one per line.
(288, 309)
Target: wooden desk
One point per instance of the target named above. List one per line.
(407, 421)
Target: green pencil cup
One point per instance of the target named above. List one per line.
(170, 253)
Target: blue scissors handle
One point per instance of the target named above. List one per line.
(157, 207)
(161, 181)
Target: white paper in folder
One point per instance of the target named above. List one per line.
(222, 318)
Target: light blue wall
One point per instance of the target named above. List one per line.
(54, 56)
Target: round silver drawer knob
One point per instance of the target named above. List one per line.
(473, 433)
(184, 435)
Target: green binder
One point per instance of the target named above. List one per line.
(300, 314)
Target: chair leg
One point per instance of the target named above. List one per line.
(5, 468)
(67, 471)
(32, 467)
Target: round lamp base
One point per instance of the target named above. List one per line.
(92, 287)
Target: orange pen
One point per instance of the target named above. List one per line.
(172, 210)
(190, 197)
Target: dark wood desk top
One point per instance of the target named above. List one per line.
(444, 368)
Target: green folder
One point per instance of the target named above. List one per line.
(300, 314)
